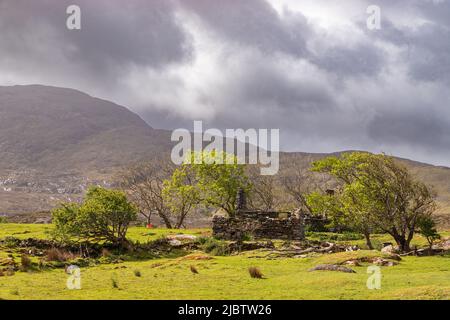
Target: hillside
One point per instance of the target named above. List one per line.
(54, 142)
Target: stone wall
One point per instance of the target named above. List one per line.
(259, 225)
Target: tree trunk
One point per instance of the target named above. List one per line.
(166, 221)
(368, 241)
(403, 244)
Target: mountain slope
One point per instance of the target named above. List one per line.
(51, 129)
(54, 142)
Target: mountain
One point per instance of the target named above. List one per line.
(53, 129)
(54, 142)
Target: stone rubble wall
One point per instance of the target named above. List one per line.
(259, 225)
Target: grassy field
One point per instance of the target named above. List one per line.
(227, 277)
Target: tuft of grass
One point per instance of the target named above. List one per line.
(114, 283)
(25, 262)
(15, 292)
(58, 255)
(193, 269)
(255, 273)
(137, 273)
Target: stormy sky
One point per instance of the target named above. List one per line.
(311, 68)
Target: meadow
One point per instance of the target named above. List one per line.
(225, 277)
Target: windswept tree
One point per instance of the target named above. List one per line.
(144, 184)
(379, 193)
(344, 210)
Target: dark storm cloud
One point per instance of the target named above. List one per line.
(250, 63)
(114, 34)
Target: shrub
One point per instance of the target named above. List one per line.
(3, 219)
(11, 242)
(213, 246)
(255, 273)
(105, 215)
(427, 228)
(247, 237)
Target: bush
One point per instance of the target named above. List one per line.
(3, 219)
(105, 215)
(11, 242)
(247, 237)
(427, 228)
(213, 246)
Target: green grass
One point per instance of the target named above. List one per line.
(227, 277)
(40, 231)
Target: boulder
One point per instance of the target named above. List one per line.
(389, 249)
(175, 243)
(383, 262)
(352, 263)
(182, 237)
(332, 267)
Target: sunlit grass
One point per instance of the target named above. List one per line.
(226, 277)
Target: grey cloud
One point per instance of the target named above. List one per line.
(426, 46)
(266, 74)
(114, 34)
(254, 23)
(364, 59)
(430, 58)
(419, 128)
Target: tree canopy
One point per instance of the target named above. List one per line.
(376, 193)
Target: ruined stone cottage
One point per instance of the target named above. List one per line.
(258, 224)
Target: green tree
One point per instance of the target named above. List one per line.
(379, 193)
(215, 179)
(104, 215)
(180, 194)
(427, 228)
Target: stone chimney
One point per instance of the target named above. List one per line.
(241, 200)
